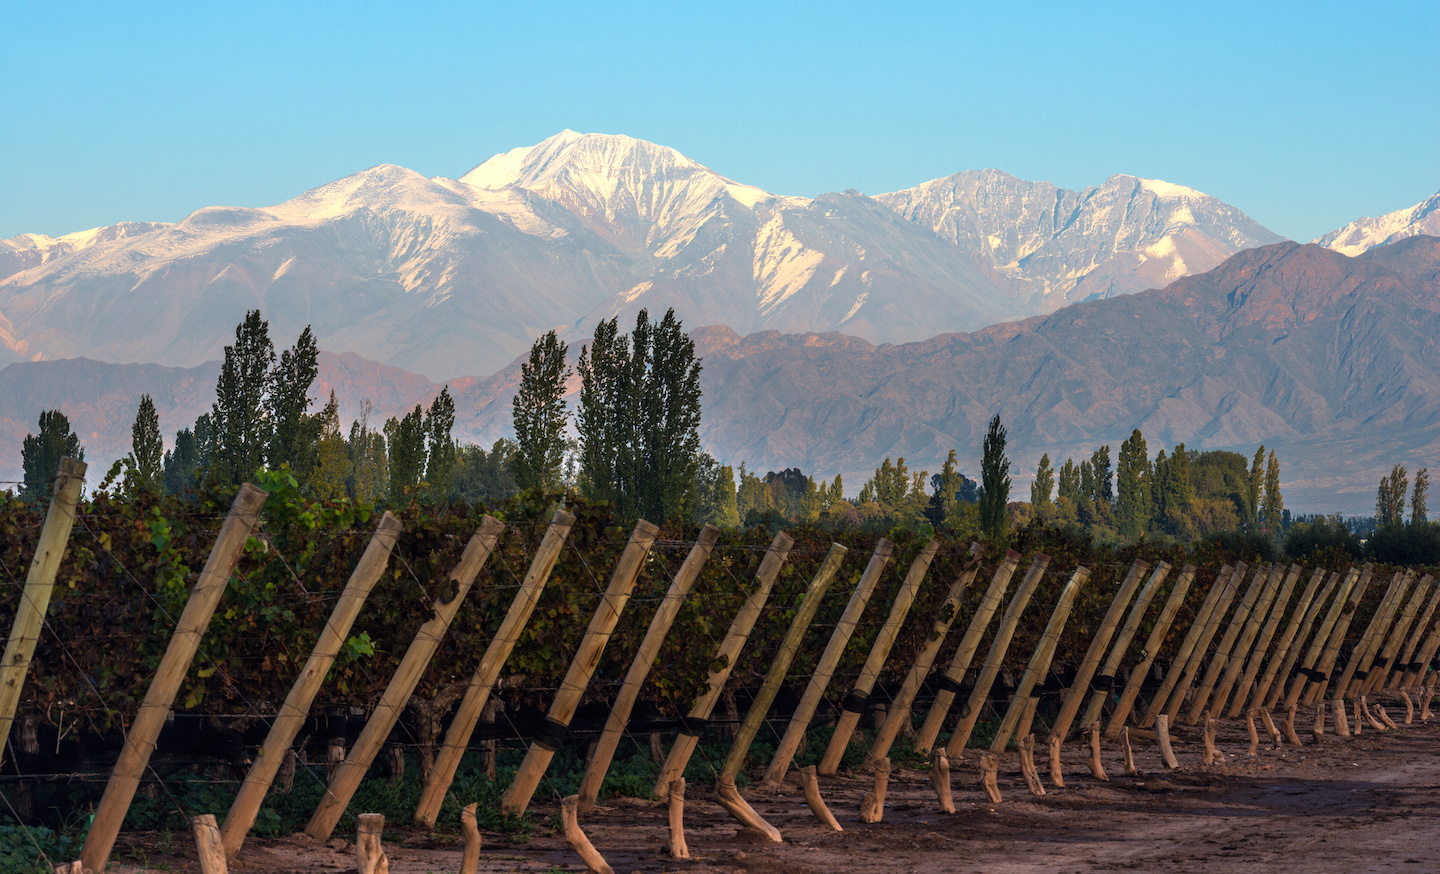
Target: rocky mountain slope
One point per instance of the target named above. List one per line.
(445, 276)
(1364, 234)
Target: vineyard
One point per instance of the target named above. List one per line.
(285, 665)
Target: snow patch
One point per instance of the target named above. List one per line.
(283, 269)
(783, 265)
(855, 308)
(839, 275)
(630, 295)
(1168, 190)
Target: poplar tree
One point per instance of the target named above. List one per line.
(440, 452)
(182, 463)
(1390, 499)
(332, 456)
(994, 482)
(405, 439)
(1104, 481)
(1257, 483)
(947, 485)
(1417, 501)
(40, 455)
(1069, 486)
(147, 450)
(1133, 480)
(296, 434)
(1044, 482)
(1274, 506)
(240, 419)
(539, 414)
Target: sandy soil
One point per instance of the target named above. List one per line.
(1347, 804)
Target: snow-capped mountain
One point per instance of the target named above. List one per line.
(1367, 233)
(1061, 246)
(457, 276)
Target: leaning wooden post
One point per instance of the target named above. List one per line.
(1187, 645)
(1039, 663)
(989, 766)
(830, 658)
(1258, 584)
(582, 666)
(1075, 696)
(1358, 667)
(1422, 663)
(140, 739)
(1385, 663)
(872, 804)
(1121, 645)
(1297, 631)
(816, 802)
(726, 655)
(296, 708)
(402, 684)
(39, 584)
(1026, 746)
(1196, 658)
(996, 657)
(477, 694)
(898, 713)
(679, 849)
(1305, 668)
(856, 702)
(1261, 649)
(1097, 769)
(208, 848)
(470, 861)
(1147, 655)
(960, 663)
(780, 664)
(1319, 678)
(1162, 739)
(575, 836)
(1405, 670)
(604, 749)
(940, 779)
(1255, 639)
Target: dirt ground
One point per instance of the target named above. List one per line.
(1363, 803)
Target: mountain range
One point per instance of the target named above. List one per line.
(457, 276)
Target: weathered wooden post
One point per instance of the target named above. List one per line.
(1186, 652)
(1337, 637)
(577, 840)
(1417, 669)
(402, 685)
(208, 848)
(477, 694)
(1147, 655)
(39, 585)
(140, 739)
(1400, 674)
(679, 849)
(1381, 668)
(815, 801)
(960, 663)
(855, 703)
(1287, 651)
(1270, 601)
(830, 657)
(996, 657)
(872, 804)
(1196, 658)
(1373, 636)
(1121, 645)
(1039, 663)
(604, 750)
(582, 667)
(898, 714)
(1261, 647)
(296, 708)
(726, 655)
(780, 664)
(1075, 695)
(1306, 667)
(1258, 584)
(470, 861)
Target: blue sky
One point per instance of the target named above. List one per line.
(1303, 115)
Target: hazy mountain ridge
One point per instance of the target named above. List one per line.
(445, 276)
(1364, 234)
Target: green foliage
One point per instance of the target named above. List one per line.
(994, 483)
(147, 451)
(295, 434)
(1321, 536)
(1044, 483)
(405, 438)
(539, 414)
(182, 463)
(33, 849)
(41, 454)
(1418, 508)
(1133, 478)
(241, 420)
(1390, 498)
(482, 477)
(1417, 543)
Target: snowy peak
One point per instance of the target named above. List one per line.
(1367, 233)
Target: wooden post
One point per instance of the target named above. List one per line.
(1250, 649)
(1359, 723)
(140, 739)
(1297, 631)
(39, 585)
(1254, 735)
(872, 805)
(728, 797)
(1317, 732)
(830, 657)
(1186, 653)
(1361, 654)
(950, 683)
(1121, 645)
(996, 657)
(1426, 694)
(1130, 769)
(470, 862)
(1420, 667)
(1385, 717)
(296, 708)
(1039, 663)
(1321, 673)
(604, 750)
(1162, 739)
(897, 716)
(577, 839)
(989, 765)
(1147, 655)
(369, 851)
(726, 655)
(1370, 716)
(1209, 755)
(1342, 724)
(1027, 765)
(582, 667)
(780, 664)
(679, 849)
(1402, 673)
(1097, 770)
(1258, 584)
(940, 779)
(1271, 730)
(855, 703)
(1311, 661)
(815, 801)
(1057, 775)
(402, 685)
(1202, 643)
(477, 694)
(207, 844)
(1381, 669)
(1075, 696)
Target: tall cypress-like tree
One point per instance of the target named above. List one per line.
(40, 455)
(147, 450)
(182, 463)
(1418, 508)
(240, 417)
(440, 451)
(1104, 490)
(1133, 479)
(1257, 485)
(994, 482)
(295, 434)
(1390, 499)
(1069, 482)
(405, 438)
(1044, 482)
(1273, 508)
(604, 417)
(539, 413)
